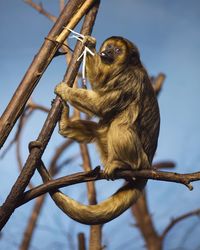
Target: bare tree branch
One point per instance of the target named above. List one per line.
(95, 175)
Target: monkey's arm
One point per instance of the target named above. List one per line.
(87, 101)
(83, 100)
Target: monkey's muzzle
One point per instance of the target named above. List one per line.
(107, 56)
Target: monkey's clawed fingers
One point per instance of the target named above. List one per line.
(65, 111)
(111, 169)
(61, 90)
(109, 173)
(89, 41)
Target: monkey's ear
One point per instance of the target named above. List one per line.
(134, 56)
(135, 53)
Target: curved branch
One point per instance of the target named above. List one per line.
(96, 174)
(178, 219)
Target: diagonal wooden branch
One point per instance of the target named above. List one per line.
(70, 16)
(36, 153)
(95, 175)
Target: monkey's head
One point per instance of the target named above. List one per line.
(118, 50)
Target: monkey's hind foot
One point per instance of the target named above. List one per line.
(113, 167)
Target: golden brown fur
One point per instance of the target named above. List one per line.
(127, 132)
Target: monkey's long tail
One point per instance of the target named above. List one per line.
(103, 212)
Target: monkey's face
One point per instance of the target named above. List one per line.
(117, 50)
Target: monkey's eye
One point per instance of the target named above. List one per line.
(117, 50)
(109, 46)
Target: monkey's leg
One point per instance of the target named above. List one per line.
(124, 150)
(79, 130)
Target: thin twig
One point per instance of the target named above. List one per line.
(164, 164)
(40, 9)
(158, 83)
(33, 105)
(179, 219)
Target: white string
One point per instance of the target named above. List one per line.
(76, 33)
(86, 50)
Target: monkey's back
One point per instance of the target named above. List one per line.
(149, 120)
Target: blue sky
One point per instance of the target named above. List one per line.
(168, 36)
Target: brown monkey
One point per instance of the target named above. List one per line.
(127, 132)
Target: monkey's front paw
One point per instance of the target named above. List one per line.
(62, 90)
(89, 41)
